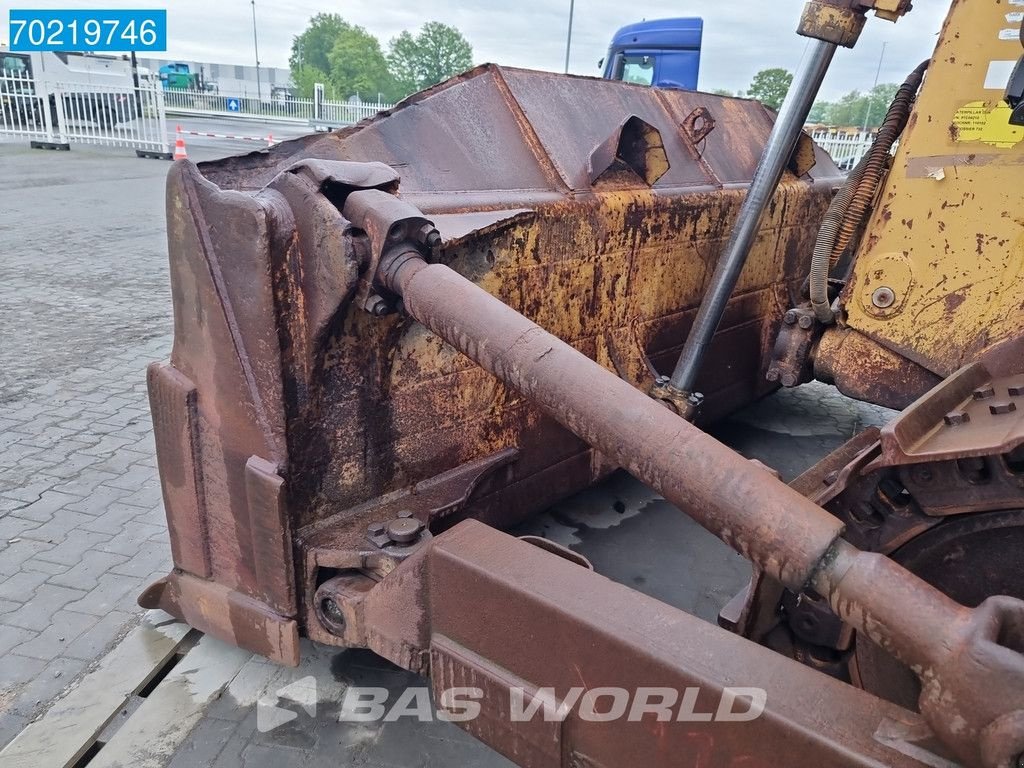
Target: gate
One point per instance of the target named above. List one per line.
(54, 114)
(23, 111)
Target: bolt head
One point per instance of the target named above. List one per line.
(375, 529)
(883, 297)
(789, 318)
(983, 393)
(772, 375)
(1016, 390)
(997, 409)
(922, 475)
(662, 381)
(404, 530)
(806, 321)
(955, 418)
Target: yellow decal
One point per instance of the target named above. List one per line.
(978, 122)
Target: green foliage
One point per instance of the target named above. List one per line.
(349, 60)
(856, 109)
(312, 47)
(723, 92)
(306, 77)
(436, 53)
(403, 54)
(770, 86)
(358, 66)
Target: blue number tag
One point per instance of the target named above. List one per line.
(100, 30)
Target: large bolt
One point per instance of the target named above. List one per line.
(375, 529)
(789, 318)
(806, 321)
(404, 530)
(883, 297)
(954, 418)
(1016, 390)
(983, 393)
(997, 409)
(377, 306)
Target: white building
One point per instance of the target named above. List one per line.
(230, 79)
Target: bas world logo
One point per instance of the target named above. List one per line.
(459, 705)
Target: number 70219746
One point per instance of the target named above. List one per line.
(101, 30)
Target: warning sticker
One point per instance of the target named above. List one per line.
(1009, 34)
(978, 121)
(998, 74)
(1015, 18)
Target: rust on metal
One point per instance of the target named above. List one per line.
(288, 356)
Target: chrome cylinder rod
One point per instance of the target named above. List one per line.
(778, 151)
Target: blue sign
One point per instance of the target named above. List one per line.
(109, 30)
(234, 105)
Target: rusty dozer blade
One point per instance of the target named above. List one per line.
(336, 407)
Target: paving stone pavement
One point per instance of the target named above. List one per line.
(84, 307)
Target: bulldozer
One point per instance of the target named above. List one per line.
(395, 342)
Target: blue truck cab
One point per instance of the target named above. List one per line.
(663, 52)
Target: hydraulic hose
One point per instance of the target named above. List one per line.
(821, 260)
(877, 159)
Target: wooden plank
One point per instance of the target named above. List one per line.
(155, 731)
(69, 728)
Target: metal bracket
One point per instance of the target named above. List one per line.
(686, 404)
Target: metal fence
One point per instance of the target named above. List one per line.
(24, 112)
(845, 147)
(315, 111)
(57, 114)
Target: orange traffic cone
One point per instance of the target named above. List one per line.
(179, 146)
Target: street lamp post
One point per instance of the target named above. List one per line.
(878, 72)
(256, 47)
(568, 39)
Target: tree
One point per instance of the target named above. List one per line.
(856, 109)
(770, 87)
(820, 112)
(305, 78)
(879, 99)
(436, 53)
(403, 55)
(722, 92)
(357, 65)
(312, 47)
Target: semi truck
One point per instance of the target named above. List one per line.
(662, 52)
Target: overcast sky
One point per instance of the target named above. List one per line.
(740, 37)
